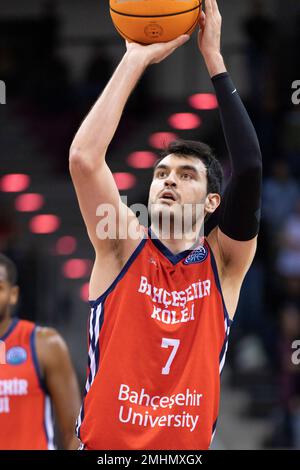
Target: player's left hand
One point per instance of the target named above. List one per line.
(209, 36)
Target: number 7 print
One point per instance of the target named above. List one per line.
(166, 342)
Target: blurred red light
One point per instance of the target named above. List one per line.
(124, 180)
(45, 223)
(76, 268)
(84, 292)
(184, 121)
(203, 101)
(141, 159)
(159, 140)
(66, 245)
(29, 202)
(14, 183)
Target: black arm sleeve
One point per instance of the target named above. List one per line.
(239, 213)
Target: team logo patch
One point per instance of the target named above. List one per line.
(16, 356)
(197, 256)
(153, 30)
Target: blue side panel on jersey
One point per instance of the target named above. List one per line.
(94, 346)
(225, 344)
(92, 340)
(223, 348)
(90, 345)
(96, 350)
(217, 279)
(40, 377)
(45, 427)
(77, 428)
(123, 271)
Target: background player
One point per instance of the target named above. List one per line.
(38, 373)
(127, 329)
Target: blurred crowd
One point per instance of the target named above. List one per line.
(268, 317)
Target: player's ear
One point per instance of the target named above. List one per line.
(14, 295)
(212, 201)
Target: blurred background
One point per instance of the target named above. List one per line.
(55, 59)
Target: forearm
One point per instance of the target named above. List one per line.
(239, 212)
(214, 63)
(240, 135)
(237, 126)
(99, 126)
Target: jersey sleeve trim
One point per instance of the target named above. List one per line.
(217, 280)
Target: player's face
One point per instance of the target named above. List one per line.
(177, 182)
(8, 293)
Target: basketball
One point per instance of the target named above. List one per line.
(150, 21)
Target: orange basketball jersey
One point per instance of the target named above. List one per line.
(25, 408)
(157, 343)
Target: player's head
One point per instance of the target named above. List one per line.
(9, 291)
(192, 174)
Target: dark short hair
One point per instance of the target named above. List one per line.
(191, 148)
(11, 270)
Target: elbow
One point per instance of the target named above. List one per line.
(76, 161)
(75, 155)
(79, 162)
(84, 161)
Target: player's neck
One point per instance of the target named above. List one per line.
(5, 323)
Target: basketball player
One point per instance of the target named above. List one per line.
(161, 308)
(37, 372)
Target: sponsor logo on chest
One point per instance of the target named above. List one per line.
(197, 256)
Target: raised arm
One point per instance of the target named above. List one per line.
(235, 237)
(92, 178)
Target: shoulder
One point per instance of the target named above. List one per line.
(49, 337)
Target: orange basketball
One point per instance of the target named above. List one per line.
(149, 21)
